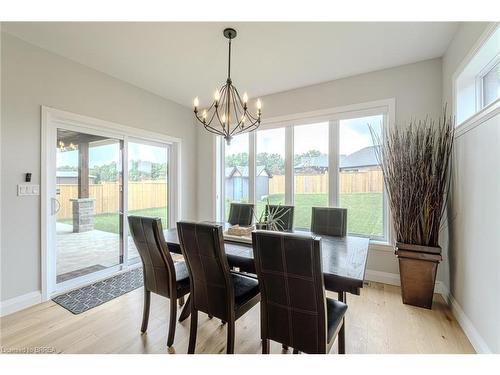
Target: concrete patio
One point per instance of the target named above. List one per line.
(87, 250)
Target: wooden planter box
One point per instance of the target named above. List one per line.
(417, 270)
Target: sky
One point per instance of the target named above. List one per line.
(354, 134)
(109, 153)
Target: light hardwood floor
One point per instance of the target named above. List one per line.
(377, 322)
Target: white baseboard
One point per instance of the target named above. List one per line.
(382, 277)
(19, 303)
(470, 331)
(393, 279)
(441, 288)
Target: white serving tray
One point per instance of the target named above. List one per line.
(233, 238)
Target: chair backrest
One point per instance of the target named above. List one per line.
(330, 221)
(293, 305)
(285, 215)
(158, 265)
(203, 248)
(241, 214)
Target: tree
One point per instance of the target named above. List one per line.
(237, 160)
(273, 162)
(306, 157)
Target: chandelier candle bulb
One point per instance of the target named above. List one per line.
(221, 117)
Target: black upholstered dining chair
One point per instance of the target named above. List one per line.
(285, 215)
(241, 214)
(294, 309)
(329, 221)
(215, 290)
(161, 275)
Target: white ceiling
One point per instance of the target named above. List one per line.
(182, 60)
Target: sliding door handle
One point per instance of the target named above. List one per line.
(55, 206)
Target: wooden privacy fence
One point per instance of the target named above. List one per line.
(350, 182)
(142, 194)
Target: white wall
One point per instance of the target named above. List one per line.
(32, 77)
(417, 89)
(474, 213)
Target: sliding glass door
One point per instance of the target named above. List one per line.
(147, 184)
(88, 204)
(95, 180)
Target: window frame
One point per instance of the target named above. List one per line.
(333, 116)
(480, 83)
(474, 75)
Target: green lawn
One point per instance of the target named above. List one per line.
(364, 210)
(109, 222)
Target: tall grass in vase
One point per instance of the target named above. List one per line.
(416, 166)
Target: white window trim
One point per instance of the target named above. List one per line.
(333, 115)
(480, 82)
(473, 120)
(50, 119)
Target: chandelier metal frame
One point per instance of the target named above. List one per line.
(228, 115)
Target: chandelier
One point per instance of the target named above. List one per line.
(228, 115)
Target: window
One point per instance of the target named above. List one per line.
(270, 168)
(477, 85)
(360, 176)
(310, 164)
(236, 172)
(491, 85)
(328, 161)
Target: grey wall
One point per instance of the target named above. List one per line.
(417, 89)
(32, 77)
(474, 221)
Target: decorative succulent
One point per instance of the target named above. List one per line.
(271, 217)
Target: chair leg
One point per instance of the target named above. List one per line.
(181, 301)
(145, 312)
(341, 338)
(230, 337)
(341, 335)
(173, 320)
(265, 346)
(193, 330)
(186, 310)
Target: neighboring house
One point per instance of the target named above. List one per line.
(361, 160)
(236, 186)
(70, 178)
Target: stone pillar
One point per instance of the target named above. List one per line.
(83, 214)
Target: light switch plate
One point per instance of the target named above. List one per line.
(28, 189)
